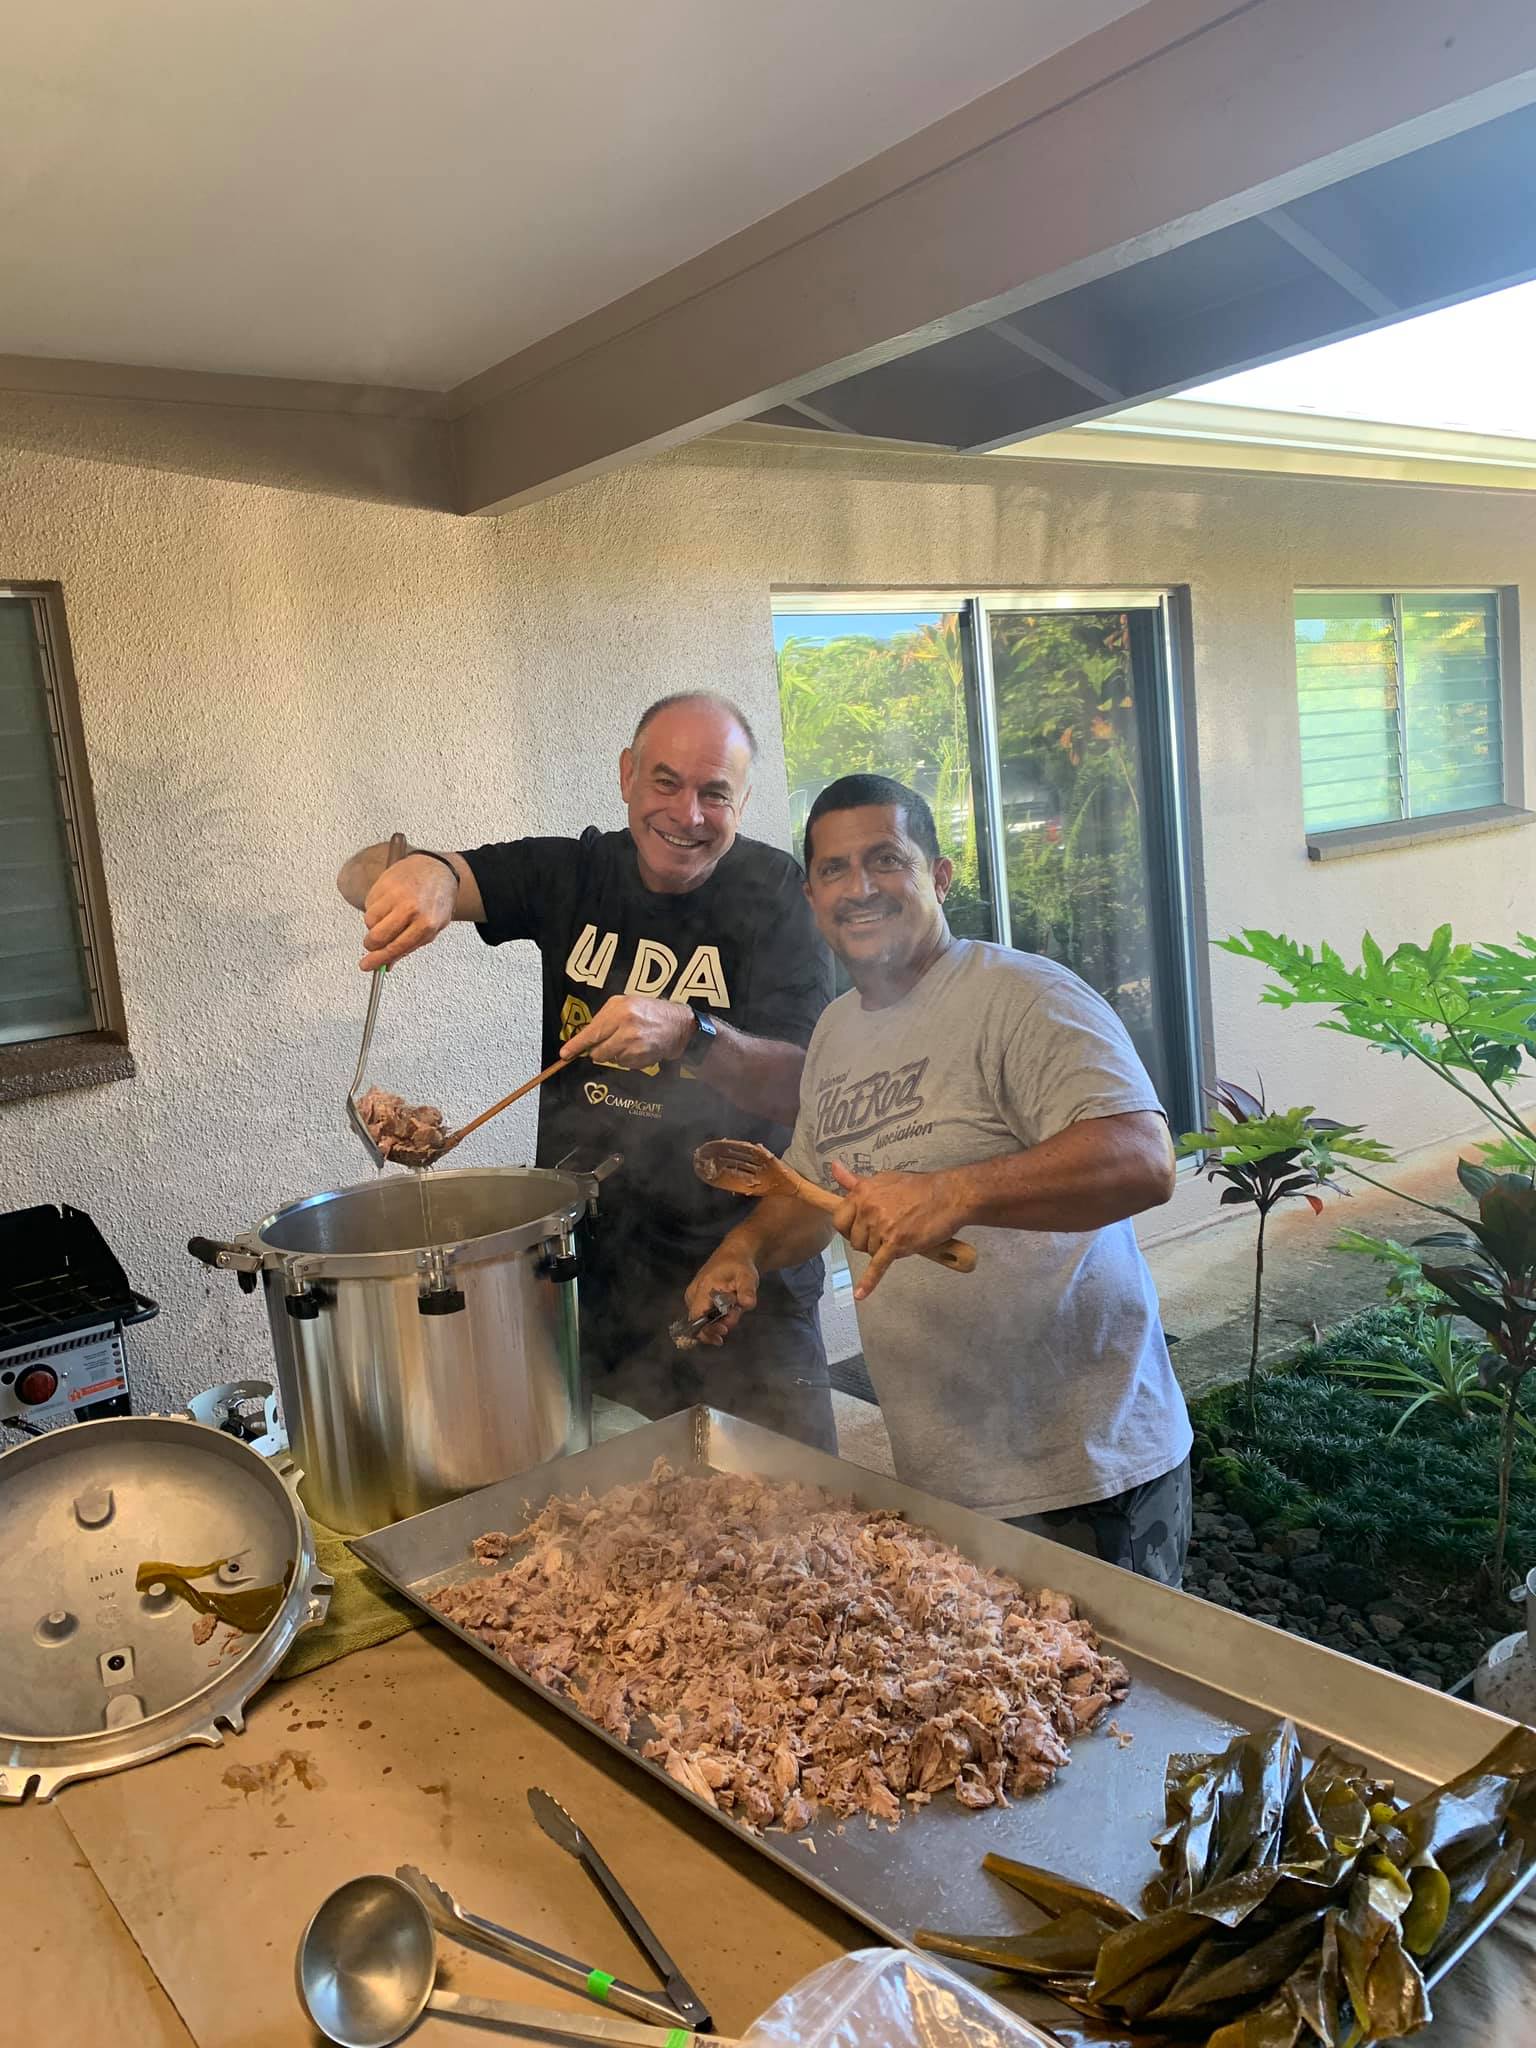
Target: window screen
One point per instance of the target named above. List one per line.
(45, 979)
(1400, 703)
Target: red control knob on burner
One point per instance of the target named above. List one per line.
(37, 1384)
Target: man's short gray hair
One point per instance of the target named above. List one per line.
(732, 711)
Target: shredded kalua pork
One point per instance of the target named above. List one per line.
(416, 1131)
(780, 1652)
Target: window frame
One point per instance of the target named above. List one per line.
(1345, 840)
(39, 1066)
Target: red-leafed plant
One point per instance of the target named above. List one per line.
(1265, 1157)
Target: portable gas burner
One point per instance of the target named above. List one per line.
(64, 1304)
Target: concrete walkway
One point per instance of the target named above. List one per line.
(1205, 1282)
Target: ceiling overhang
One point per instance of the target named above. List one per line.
(1194, 189)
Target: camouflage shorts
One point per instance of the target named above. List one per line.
(1145, 1529)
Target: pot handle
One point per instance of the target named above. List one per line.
(591, 1177)
(220, 1252)
(574, 1164)
(238, 1259)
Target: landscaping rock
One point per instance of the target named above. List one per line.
(1314, 1574)
(1322, 1588)
(1355, 1585)
(1272, 1589)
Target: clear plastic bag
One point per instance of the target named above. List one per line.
(886, 1998)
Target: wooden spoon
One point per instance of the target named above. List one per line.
(742, 1168)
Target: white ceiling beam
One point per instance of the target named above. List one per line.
(1182, 118)
(1016, 337)
(1330, 263)
(808, 411)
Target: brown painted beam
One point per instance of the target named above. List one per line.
(1185, 117)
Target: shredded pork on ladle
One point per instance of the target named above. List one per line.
(780, 1651)
(413, 1133)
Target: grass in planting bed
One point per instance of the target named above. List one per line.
(1324, 1456)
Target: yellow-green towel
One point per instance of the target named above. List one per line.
(364, 1611)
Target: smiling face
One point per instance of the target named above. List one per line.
(877, 896)
(686, 782)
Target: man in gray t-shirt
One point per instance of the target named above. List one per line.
(958, 1087)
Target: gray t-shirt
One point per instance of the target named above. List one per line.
(1042, 1379)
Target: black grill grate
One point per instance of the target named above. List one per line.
(35, 1309)
(57, 1275)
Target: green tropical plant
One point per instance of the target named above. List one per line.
(1494, 1286)
(1445, 1376)
(1466, 1013)
(1267, 1157)
(1405, 1269)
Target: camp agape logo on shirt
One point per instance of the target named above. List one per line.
(601, 1096)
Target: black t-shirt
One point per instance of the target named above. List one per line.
(743, 946)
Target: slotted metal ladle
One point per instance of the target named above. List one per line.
(397, 846)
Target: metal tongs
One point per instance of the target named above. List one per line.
(677, 2007)
(397, 846)
(685, 1331)
(563, 1831)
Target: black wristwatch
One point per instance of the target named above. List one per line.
(705, 1032)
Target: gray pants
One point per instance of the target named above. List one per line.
(1145, 1529)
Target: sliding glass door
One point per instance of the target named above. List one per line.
(1042, 729)
(889, 692)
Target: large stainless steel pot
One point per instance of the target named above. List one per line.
(425, 1329)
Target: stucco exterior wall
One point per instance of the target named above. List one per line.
(269, 679)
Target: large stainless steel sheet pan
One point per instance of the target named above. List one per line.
(1199, 1674)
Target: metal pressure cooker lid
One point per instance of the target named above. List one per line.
(98, 1670)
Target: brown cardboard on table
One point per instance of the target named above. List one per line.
(162, 1907)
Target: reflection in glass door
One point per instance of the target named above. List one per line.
(1042, 731)
(1090, 868)
(876, 688)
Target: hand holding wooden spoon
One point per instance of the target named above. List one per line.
(746, 1169)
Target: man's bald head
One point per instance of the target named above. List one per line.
(685, 778)
(708, 699)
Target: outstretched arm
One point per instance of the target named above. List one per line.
(1096, 1172)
